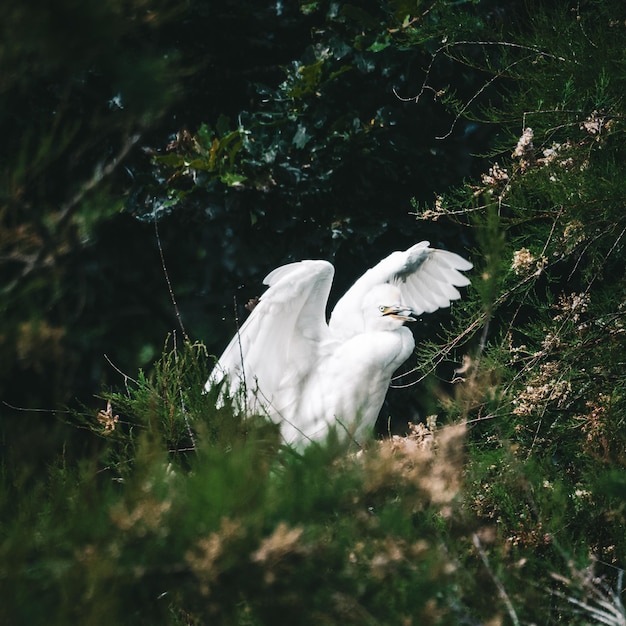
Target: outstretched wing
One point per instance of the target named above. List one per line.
(428, 279)
(283, 333)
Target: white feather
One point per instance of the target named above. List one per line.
(307, 375)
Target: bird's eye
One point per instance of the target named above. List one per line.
(381, 308)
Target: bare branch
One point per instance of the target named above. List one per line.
(446, 47)
(167, 279)
(498, 583)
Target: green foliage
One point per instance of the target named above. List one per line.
(194, 514)
(544, 389)
(250, 124)
(80, 83)
(170, 510)
(326, 139)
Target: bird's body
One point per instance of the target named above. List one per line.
(353, 408)
(307, 375)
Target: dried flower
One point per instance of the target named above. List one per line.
(547, 386)
(573, 235)
(595, 424)
(282, 541)
(276, 549)
(144, 517)
(594, 123)
(571, 306)
(524, 262)
(432, 464)
(517, 352)
(107, 419)
(205, 558)
(525, 150)
(555, 153)
(524, 144)
(550, 154)
(496, 176)
(252, 303)
(385, 561)
(550, 342)
(437, 212)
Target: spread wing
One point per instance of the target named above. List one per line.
(282, 335)
(428, 279)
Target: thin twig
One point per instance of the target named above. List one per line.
(43, 257)
(100, 172)
(491, 416)
(447, 46)
(119, 371)
(505, 44)
(167, 279)
(180, 393)
(243, 368)
(499, 586)
(475, 96)
(582, 28)
(441, 355)
(29, 410)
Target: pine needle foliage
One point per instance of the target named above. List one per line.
(511, 511)
(544, 385)
(192, 514)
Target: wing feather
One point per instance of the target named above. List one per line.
(283, 333)
(427, 279)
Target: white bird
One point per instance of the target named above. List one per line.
(309, 375)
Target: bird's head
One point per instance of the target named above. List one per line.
(383, 309)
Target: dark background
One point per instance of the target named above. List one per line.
(94, 94)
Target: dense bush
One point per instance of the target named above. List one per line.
(506, 505)
(221, 525)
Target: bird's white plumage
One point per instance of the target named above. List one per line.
(307, 375)
(427, 279)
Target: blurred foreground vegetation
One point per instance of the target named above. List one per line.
(207, 144)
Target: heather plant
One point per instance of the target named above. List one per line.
(227, 525)
(505, 503)
(543, 389)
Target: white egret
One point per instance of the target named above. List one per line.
(308, 375)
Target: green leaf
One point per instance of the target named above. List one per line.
(233, 180)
